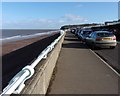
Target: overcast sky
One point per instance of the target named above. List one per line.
(52, 15)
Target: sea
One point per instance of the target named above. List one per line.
(8, 35)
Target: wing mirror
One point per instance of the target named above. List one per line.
(88, 36)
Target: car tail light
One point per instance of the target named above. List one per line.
(114, 38)
(98, 39)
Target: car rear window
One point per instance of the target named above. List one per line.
(105, 34)
(87, 32)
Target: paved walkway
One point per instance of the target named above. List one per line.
(79, 71)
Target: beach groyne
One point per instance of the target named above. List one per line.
(14, 61)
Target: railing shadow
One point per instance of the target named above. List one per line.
(72, 39)
(70, 36)
(13, 62)
(75, 45)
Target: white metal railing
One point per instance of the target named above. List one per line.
(18, 81)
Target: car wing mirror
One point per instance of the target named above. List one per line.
(88, 36)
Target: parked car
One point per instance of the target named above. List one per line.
(83, 34)
(79, 32)
(76, 32)
(101, 39)
(73, 31)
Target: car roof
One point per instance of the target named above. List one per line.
(102, 32)
(86, 30)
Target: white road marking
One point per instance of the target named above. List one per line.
(105, 63)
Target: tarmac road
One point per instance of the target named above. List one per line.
(111, 56)
(79, 71)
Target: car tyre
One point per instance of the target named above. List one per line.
(112, 47)
(93, 46)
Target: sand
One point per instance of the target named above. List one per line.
(19, 54)
(15, 45)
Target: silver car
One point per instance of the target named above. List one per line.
(83, 34)
(101, 39)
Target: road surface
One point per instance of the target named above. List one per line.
(111, 56)
(79, 71)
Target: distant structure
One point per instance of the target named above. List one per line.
(112, 22)
(112, 26)
(119, 10)
(78, 26)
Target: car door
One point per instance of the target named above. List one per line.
(90, 38)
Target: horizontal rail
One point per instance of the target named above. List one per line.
(17, 82)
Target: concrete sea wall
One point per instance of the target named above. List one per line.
(39, 83)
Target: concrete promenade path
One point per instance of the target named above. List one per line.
(80, 71)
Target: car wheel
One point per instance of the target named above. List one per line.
(112, 47)
(93, 46)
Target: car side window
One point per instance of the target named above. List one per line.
(91, 35)
(81, 32)
(94, 35)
